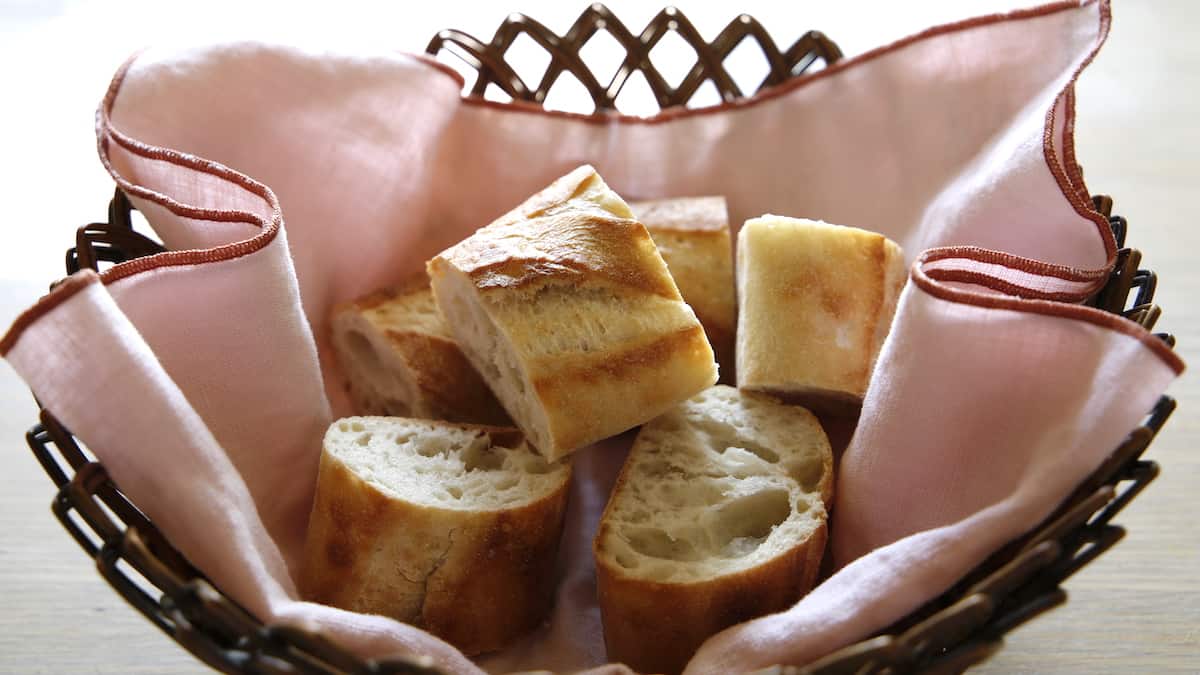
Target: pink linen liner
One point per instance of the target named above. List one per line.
(1069, 179)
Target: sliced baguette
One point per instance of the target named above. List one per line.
(692, 234)
(718, 516)
(566, 309)
(452, 528)
(815, 304)
(399, 359)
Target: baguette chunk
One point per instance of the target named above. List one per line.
(718, 516)
(815, 304)
(566, 308)
(399, 359)
(451, 528)
(692, 234)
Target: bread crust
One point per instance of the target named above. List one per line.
(823, 401)
(816, 302)
(477, 579)
(656, 627)
(618, 346)
(557, 235)
(419, 349)
(693, 215)
(588, 393)
(692, 234)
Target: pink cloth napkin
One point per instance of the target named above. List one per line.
(995, 393)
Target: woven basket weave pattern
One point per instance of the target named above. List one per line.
(566, 56)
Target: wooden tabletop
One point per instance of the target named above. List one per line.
(1136, 609)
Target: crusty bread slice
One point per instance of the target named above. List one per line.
(815, 304)
(399, 358)
(692, 234)
(567, 310)
(452, 528)
(717, 517)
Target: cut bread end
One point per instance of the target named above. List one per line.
(448, 466)
(491, 353)
(723, 482)
(398, 358)
(718, 516)
(378, 380)
(451, 528)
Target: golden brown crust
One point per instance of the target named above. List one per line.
(694, 215)
(624, 364)
(692, 234)
(413, 284)
(478, 579)
(574, 230)
(402, 320)
(568, 310)
(575, 247)
(564, 189)
(347, 514)
(450, 388)
(657, 627)
(723, 338)
(501, 581)
(576, 388)
(816, 302)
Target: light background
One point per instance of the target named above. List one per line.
(1137, 608)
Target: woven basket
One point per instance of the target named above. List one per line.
(955, 630)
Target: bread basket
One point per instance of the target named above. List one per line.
(955, 630)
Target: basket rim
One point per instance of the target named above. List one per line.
(960, 627)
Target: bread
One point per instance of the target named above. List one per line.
(452, 528)
(566, 309)
(718, 516)
(692, 234)
(815, 304)
(399, 359)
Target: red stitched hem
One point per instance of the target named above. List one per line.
(58, 295)
(105, 132)
(1038, 267)
(1069, 180)
(998, 284)
(1075, 191)
(1035, 302)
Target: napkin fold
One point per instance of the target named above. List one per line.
(202, 377)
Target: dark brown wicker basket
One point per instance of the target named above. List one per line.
(959, 628)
